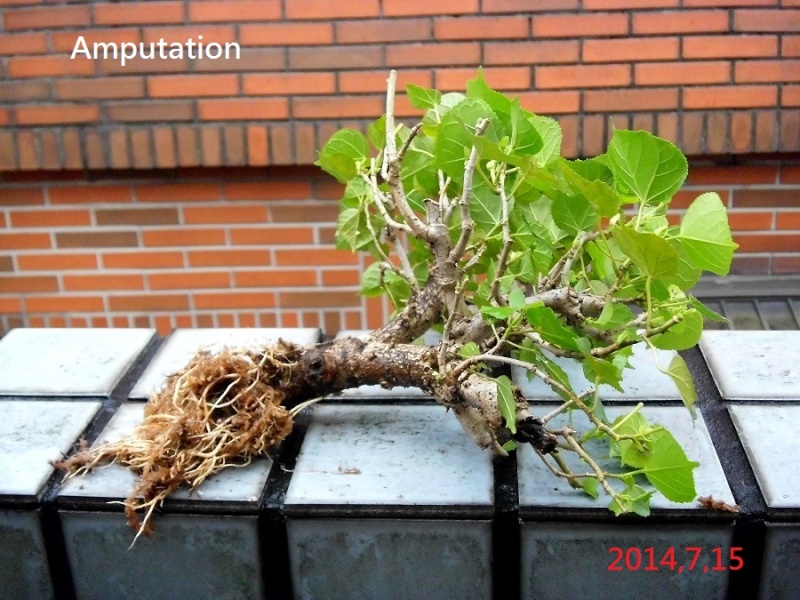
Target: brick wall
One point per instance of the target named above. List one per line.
(179, 192)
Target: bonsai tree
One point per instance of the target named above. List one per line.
(480, 230)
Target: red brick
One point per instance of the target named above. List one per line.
(50, 218)
(749, 220)
(48, 66)
(786, 265)
(85, 283)
(229, 258)
(222, 300)
(268, 190)
(234, 10)
(89, 193)
(579, 25)
(335, 58)
(148, 302)
(630, 100)
(63, 304)
(403, 8)
(12, 305)
(251, 59)
(582, 76)
(147, 66)
(195, 280)
(286, 34)
(495, 6)
(54, 114)
(476, 28)
(729, 97)
(177, 192)
(446, 54)
(790, 95)
(243, 110)
(382, 31)
(321, 299)
(275, 278)
(209, 215)
(766, 20)
(188, 86)
(737, 175)
(144, 111)
(211, 146)
(769, 198)
(767, 242)
(375, 81)
(627, 4)
(199, 34)
(257, 146)
(56, 262)
(340, 278)
(14, 241)
(138, 13)
(272, 236)
(288, 84)
(314, 257)
(499, 78)
(64, 41)
(682, 73)
(741, 132)
(23, 43)
(339, 107)
(790, 45)
(183, 237)
(15, 284)
(767, 71)
(788, 220)
(535, 52)
(46, 18)
(142, 260)
(631, 49)
(100, 88)
(21, 196)
(330, 9)
(730, 2)
(680, 22)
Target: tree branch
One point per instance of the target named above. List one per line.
(467, 223)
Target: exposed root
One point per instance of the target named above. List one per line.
(219, 412)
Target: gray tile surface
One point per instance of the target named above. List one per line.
(641, 383)
(769, 437)
(183, 344)
(34, 432)
(389, 455)
(24, 573)
(67, 362)
(566, 560)
(389, 559)
(368, 392)
(538, 487)
(114, 481)
(189, 556)
(754, 365)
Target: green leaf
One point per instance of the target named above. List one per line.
(683, 335)
(550, 134)
(604, 200)
(651, 253)
(687, 274)
(418, 169)
(342, 152)
(497, 312)
(613, 315)
(574, 214)
(706, 312)
(421, 97)
(371, 284)
(525, 138)
(509, 446)
(376, 132)
(592, 169)
(669, 469)
(651, 168)
(550, 327)
(486, 209)
(469, 349)
(598, 370)
(506, 402)
(679, 373)
(635, 499)
(590, 485)
(516, 299)
(454, 139)
(706, 236)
